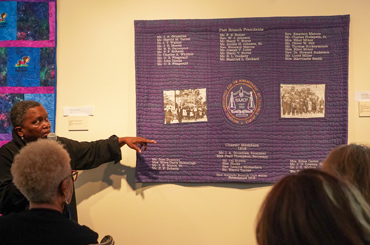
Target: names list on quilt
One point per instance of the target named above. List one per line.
(236, 161)
(300, 164)
(172, 50)
(303, 46)
(170, 164)
(235, 45)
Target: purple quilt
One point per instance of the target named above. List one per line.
(240, 100)
(27, 57)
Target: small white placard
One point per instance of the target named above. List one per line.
(364, 109)
(362, 96)
(78, 123)
(79, 111)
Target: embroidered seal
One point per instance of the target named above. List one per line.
(242, 102)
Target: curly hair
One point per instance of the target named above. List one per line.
(19, 111)
(39, 168)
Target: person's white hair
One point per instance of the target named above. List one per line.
(39, 169)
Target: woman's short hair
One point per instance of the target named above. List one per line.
(19, 111)
(352, 163)
(313, 207)
(39, 169)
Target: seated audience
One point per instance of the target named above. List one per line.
(313, 208)
(352, 163)
(42, 172)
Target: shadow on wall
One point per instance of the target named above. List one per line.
(102, 177)
(110, 175)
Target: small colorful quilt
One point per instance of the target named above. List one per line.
(27, 57)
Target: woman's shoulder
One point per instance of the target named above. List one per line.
(82, 233)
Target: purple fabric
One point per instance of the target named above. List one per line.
(5, 137)
(27, 90)
(22, 43)
(240, 100)
(28, 1)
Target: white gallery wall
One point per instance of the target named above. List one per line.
(96, 67)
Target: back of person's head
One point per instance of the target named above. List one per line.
(19, 111)
(313, 207)
(39, 169)
(352, 163)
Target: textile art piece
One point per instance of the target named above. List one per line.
(27, 57)
(240, 100)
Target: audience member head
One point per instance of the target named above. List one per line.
(41, 171)
(352, 163)
(313, 207)
(30, 120)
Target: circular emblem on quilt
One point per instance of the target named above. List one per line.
(242, 102)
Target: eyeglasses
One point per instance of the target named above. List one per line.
(73, 175)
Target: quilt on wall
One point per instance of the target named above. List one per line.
(27, 57)
(240, 100)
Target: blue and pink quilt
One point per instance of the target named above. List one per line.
(27, 57)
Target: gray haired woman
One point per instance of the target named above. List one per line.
(42, 172)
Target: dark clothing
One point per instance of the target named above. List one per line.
(43, 226)
(84, 155)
